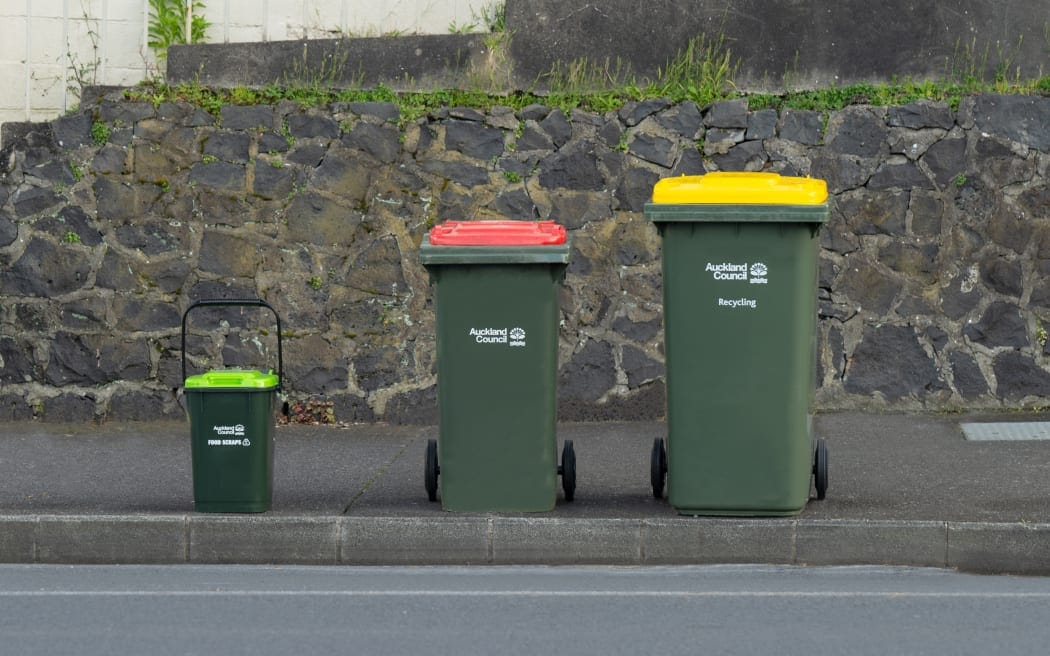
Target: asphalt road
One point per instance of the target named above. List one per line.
(167, 610)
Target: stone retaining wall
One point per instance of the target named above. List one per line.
(933, 289)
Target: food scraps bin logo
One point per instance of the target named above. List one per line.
(231, 436)
(509, 336)
(756, 273)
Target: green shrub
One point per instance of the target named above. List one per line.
(167, 24)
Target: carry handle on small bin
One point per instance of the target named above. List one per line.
(250, 302)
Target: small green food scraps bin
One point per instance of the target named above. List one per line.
(739, 280)
(232, 414)
(496, 289)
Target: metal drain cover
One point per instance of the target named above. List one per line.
(1007, 431)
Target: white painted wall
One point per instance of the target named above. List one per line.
(48, 47)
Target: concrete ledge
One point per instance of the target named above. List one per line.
(404, 63)
(480, 539)
(999, 548)
(18, 539)
(452, 540)
(851, 542)
(102, 539)
(253, 539)
(784, 45)
(550, 541)
(685, 540)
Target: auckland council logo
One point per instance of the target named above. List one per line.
(517, 337)
(509, 336)
(754, 273)
(759, 271)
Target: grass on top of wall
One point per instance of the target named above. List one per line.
(703, 72)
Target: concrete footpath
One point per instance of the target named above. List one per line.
(904, 490)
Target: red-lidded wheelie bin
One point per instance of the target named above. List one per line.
(496, 303)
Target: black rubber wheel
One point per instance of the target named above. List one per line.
(658, 467)
(431, 470)
(568, 470)
(820, 468)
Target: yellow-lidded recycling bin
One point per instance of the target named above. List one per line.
(739, 280)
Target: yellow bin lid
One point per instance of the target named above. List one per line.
(743, 188)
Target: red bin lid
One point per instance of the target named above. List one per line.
(497, 233)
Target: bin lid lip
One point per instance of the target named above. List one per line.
(497, 233)
(740, 188)
(233, 378)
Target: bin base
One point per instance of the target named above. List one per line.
(231, 506)
(499, 501)
(498, 509)
(722, 512)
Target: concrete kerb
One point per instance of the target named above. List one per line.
(999, 548)
(868, 542)
(983, 547)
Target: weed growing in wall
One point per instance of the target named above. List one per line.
(84, 72)
(100, 133)
(492, 17)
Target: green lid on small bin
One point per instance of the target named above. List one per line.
(233, 379)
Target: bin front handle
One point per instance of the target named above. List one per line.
(253, 302)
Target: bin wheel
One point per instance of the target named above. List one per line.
(658, 467)
(820, 468)
(568, 470)
(431, 469)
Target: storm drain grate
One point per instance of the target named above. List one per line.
(1007, 431)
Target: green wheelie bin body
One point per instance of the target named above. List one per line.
(739, 276)
(496, 306)
(232, 414)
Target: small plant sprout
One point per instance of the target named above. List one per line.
(100, 133)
